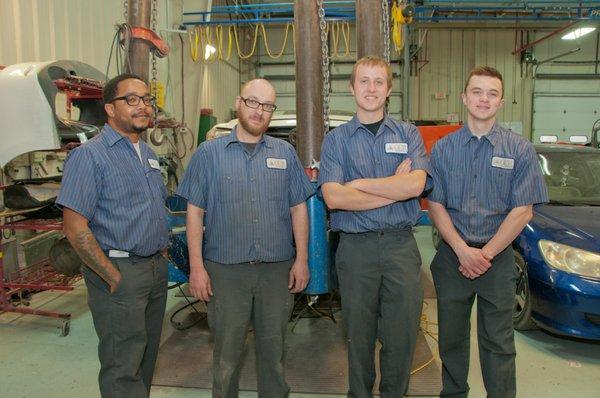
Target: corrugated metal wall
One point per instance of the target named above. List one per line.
(436, 80)
(438, 77)
(444, 62)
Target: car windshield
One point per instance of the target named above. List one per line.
(573, 178)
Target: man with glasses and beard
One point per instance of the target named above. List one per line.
(249, 191)
(113, 197)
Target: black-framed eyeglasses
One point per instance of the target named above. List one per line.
(134, 100)
(254, 104)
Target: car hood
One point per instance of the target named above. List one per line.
(577, 226)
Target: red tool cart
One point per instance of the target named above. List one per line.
(33, 278)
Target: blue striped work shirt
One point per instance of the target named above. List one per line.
(122, 198)
(351, 152)
(246, 197)
(479, 181)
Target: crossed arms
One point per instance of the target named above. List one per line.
(373, 193)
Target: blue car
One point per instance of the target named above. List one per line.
(558, 253)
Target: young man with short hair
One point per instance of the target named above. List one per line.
(373, 169)
(486, 180)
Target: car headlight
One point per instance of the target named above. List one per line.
(570, 259)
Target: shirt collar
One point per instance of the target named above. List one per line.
(232, 137)
(111, 135)
(356, 125)
(492, 136)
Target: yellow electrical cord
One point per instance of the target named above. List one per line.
(346, 36)
(265, 40)
(219, 39)
(194, 39)
(425, 324)
(335, 38)
(237, 43)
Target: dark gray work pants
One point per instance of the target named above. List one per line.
(245, 293)
(128, 323)
(495, 291)
(382, 297)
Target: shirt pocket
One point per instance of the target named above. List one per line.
(121, 187)
(157, 185)
(454, 189)
(276, 184)
(231, 188)
(391, 161)
(501, 187)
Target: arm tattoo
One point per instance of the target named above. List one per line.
(89, 250)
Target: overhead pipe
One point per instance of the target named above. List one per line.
(538, 41)
(558, 56)
(567, 76)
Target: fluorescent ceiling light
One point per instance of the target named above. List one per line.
(577, 33)
(208, 51)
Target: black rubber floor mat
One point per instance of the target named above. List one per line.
(316, 361)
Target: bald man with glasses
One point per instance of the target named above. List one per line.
(249, 191)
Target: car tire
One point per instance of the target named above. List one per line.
(436, 237)
(522, 319)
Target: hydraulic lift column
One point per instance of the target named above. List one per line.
(139, 13)
(310, 132)
(369, 29)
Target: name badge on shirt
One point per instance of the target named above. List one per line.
(503, 163)
(396, 147)
(154, 164)
(274, 163)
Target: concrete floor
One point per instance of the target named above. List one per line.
(35, 361)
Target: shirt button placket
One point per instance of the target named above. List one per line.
(254, 204)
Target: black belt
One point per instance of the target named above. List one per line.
(381, 232)
(130, 254)
(254, 262)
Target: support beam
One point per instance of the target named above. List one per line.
(369, 29)
(309, 83)
(139, 13)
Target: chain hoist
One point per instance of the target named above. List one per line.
(154, 81)
(324, 64)
(385, 13)
(125, 10)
